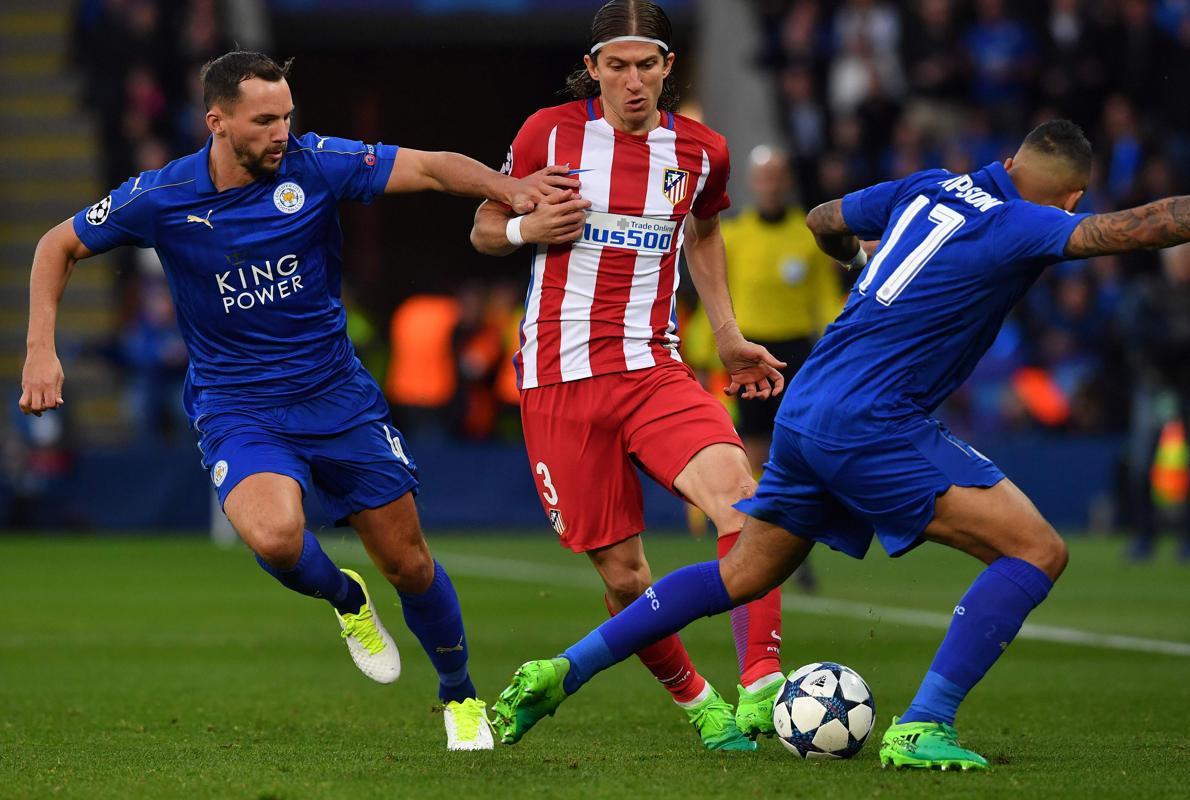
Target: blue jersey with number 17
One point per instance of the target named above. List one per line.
(956, 253)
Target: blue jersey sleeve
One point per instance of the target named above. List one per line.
(866, 212)
(126, 216)
(1027, 233)
(354, 170)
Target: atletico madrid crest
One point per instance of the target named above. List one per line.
(556, 521)
(674, 183)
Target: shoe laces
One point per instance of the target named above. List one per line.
(363, 629)
(467, 716)
(713, 715)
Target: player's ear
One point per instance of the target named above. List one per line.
(669, 64)
(214, 122)
(1008, 163)
(1072, 200)
(591, 69)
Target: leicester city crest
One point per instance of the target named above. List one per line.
(289, 198)
(675, 183)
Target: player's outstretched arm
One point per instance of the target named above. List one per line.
(752, 368)
(421, 170)
(558, 219)
(55, 257)
(1162, 223)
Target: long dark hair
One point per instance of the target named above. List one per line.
(626, 18)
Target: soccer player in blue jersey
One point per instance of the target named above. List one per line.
(248, 231)
(856, 452)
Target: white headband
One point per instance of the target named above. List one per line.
(644, 39)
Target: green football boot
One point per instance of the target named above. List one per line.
(715, 722)
(926, 745)
(535, 692)
(754, 713)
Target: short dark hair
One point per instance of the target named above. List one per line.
(1062, 138)
(222, 76)
(626, 18)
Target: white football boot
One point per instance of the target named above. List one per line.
(372, 649)
(467, 726)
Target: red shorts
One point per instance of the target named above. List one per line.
(585, 438)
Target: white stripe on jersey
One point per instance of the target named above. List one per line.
(533, 307)
(582, 273)
(638, 327)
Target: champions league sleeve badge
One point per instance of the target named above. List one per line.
(289, 198)
(97, 214)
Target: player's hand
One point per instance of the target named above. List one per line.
(753, 369)
(528, 193)
(559, 219)
(41, 382)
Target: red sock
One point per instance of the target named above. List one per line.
(756, 628)
(671, 665)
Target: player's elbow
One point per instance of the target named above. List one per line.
(816, 219)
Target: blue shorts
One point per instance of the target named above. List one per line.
(340, 444)
(841, 494)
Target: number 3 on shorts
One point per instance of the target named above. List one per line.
(549, 493)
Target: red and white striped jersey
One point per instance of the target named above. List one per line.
(605, 304)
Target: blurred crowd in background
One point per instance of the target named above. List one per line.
(865, 91)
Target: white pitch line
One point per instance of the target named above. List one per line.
(542, 574)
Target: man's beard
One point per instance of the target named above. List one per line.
(257, 165)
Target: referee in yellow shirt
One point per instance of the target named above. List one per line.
(784, 289)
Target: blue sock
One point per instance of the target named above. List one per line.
(985, 621)
(668, 606)
(315, 575)
(436, 620)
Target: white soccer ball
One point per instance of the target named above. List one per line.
(824, 710)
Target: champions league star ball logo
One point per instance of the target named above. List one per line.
(289, 198)
(97, 214)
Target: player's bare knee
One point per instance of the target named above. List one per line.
(627, 584)
(1050, 555)
(744, 582)
(278, 542)
(413, 574)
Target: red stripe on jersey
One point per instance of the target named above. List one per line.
(613, 286)
(568, 149)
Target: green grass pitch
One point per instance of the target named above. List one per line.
(164, 667)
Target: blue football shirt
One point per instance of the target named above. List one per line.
(956, 253)
(255, 270)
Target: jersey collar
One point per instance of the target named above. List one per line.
(1003, 182)
(202, 172)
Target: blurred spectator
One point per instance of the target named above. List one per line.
(934, 65)
(422, 378)
(1002, 53)
(1156, 319)
(155, 355)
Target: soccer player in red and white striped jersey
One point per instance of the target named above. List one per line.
(603, 389)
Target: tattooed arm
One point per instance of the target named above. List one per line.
(1163, 223)
(831, 232)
